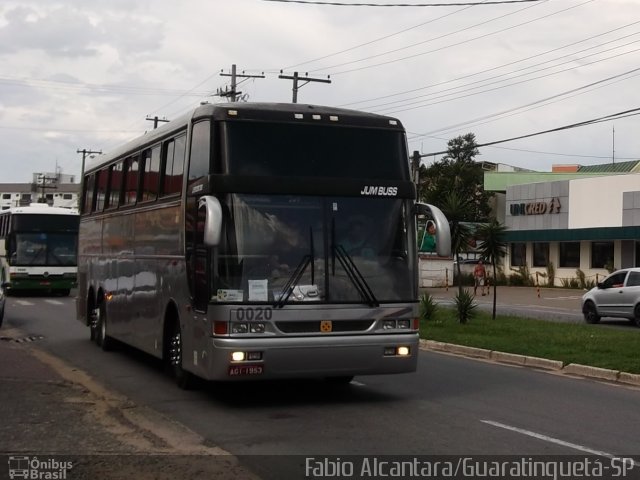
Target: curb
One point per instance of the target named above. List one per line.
(587, 371)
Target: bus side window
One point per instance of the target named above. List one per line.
(101, 189)
(130, 185)
(115, 185)
(89, 190)
(200, 151)
(173, 166)
(150, 169)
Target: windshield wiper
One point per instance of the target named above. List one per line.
(357, 279)
(293, 281)
(297, 274)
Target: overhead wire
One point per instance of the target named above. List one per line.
(498, 67)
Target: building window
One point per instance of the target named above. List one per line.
(67, 196)
(541, 254)
(569, 254)
(601, 254)
(518, 254)
(6, 196)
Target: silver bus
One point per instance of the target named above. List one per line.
(257, 241)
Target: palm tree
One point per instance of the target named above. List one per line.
(457, 209)
(492, 249)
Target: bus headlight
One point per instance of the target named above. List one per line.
(256, 327)
(404, 324)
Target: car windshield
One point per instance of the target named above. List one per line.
(283, 249)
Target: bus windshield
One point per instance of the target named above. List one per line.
(44, 249)
(284, 248)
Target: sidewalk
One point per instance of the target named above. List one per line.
(51, 410)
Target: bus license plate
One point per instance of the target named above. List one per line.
(239, 370)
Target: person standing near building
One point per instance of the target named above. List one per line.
(479, 277)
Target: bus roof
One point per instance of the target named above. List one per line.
(41, 209)
(279, 112)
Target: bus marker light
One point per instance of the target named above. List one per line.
(389, 324)
(254, 356)
(298, 116)
(393, 122)
(239, 328)
(220, 328)
(316, 117)
(233, 113)
(256, 327)
(403, 351)
(416, 324)
(333, 118)
(108, 296)
(238, 356)
(389, 351)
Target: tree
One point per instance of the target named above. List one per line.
(492, 249)
(456, 209)
(457, 171)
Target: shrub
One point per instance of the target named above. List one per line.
(427, 307)
(465, 306)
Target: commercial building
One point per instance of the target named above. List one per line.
(584, 221)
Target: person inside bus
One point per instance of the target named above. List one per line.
(428, 243)
(356, 242)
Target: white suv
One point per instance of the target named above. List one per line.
(618, 295)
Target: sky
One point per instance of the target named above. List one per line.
(86, 75)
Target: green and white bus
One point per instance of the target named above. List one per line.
(257, 241)
(38, 248)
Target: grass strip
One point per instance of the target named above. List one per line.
(592, 345)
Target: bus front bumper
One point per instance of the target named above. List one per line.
(312, 357)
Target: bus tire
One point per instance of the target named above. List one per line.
(103, 339)
(184, 379)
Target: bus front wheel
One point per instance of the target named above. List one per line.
(184, 379)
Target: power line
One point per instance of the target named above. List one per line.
(342, 72)
(498, 67)
(457, 4)
(606, 118)
(400, 108)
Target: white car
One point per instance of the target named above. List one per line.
(618, 295)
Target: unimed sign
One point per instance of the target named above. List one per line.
(535, 208)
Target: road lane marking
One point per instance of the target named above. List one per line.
(546, 438)
(25, 303)
(54, 302)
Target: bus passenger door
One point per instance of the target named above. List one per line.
(200, 264)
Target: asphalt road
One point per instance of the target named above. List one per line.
(451, 406)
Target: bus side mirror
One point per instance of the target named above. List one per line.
(443, 232)
(212, 220)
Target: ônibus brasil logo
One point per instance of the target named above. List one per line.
(35, 469)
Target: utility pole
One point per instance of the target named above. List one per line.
(296, 78)
(44, 183)
(155, 121)
(613, 148)
(233, 94)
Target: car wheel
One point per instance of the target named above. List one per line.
(636, 315)
(590, 313)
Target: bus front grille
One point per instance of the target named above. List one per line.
(315, 327)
